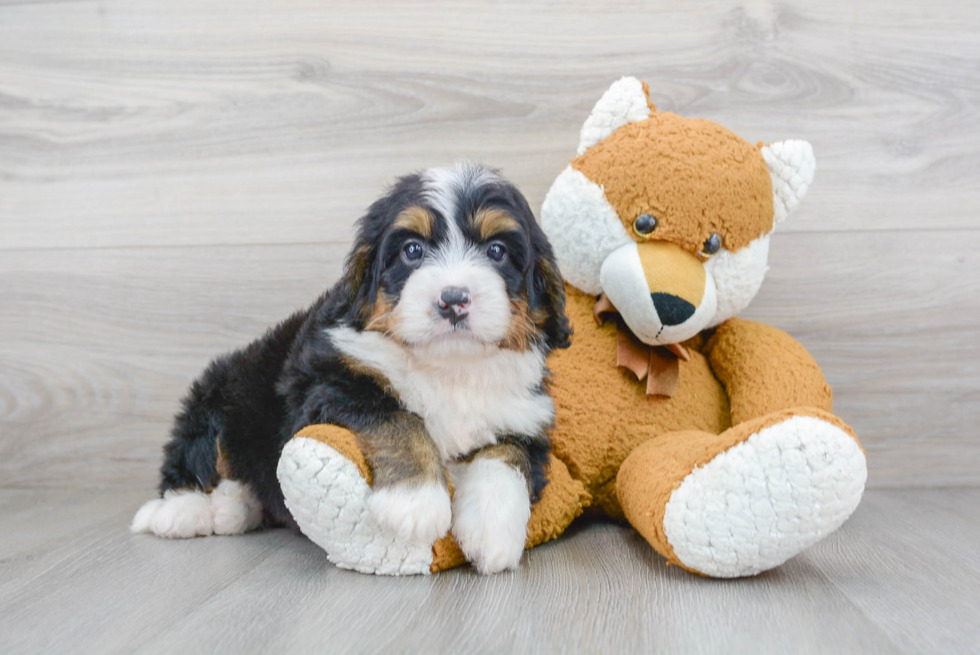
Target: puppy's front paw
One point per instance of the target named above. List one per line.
(491, 509)
(415, 513)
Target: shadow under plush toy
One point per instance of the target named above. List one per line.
(712, 435)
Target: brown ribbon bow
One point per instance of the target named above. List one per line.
(658, 364)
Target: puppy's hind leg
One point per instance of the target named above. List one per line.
(230, 508)
(180, 514)
(198, 496)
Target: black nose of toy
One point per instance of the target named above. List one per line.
(671, 309)
(454, 304)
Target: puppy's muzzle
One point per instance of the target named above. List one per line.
(454, 304)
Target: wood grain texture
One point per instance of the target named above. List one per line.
(277, 122)
(175, 178)
(99, 345)
(899, 577)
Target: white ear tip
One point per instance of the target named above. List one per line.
(791, 167)
(623, 102)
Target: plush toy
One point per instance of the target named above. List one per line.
(712, 435)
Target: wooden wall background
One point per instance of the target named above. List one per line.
(175, 176)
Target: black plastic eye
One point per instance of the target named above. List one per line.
(711, 245)
(413, 251)
(496, 252)
(644, 225)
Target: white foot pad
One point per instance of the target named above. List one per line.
(330, 501)
(763, 501)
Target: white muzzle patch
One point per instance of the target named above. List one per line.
(625, 285)
(416, 319)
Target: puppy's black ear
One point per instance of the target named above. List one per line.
(352, 297)
(356, 281)
(546, 293)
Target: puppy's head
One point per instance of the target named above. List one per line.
(451, 260)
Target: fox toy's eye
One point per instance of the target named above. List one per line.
(496, 252)
(644, 225)
(711, 245)
(412, 252)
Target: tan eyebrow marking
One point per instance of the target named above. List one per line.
(417, 219)
(492, 222)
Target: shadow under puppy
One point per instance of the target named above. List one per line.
(431, 349)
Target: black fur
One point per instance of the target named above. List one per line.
(249, 403)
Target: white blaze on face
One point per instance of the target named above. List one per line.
(417, 317)
(454, 262)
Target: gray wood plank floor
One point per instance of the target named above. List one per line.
(902, 576)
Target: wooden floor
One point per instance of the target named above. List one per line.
(177, 175)
(73, 580)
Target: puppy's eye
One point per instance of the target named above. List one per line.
(412, 252)
(497, 252)
(711, 245)
(644, 225)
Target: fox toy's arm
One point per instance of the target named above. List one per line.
(764, 370)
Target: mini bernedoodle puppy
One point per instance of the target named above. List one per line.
(431, 348)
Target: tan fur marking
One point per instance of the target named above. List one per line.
(379, 320)
(492, 222)
(357, 264)
(400, 450)
(508, 454)
(524, 326)
(417, 219)
(221, 463)
(356, 268)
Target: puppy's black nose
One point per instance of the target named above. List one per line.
(671, 309)
(454, 303)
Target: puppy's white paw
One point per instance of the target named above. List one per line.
(234, 508)
(141, 522)
(491, 508)
(414, 513)
(178, 515)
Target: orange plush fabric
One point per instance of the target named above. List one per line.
(656, 468)
(765, 370)
(695, 176)
(625, 452)
(343, 441)
(603, 413)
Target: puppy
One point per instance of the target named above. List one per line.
(431, 349)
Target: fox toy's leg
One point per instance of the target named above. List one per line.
(326, 482)
(746, 500)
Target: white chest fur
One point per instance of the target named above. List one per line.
(466, 400)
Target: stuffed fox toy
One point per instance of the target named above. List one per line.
(712, 435)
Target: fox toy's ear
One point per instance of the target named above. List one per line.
(791, 166)
(626, 101)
